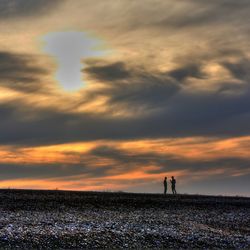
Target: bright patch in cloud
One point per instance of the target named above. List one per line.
(69, 49)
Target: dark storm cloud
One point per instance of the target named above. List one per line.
(149, 91)
(133, 86)
(109, 72)
(32, 126)
(207, 114)
(47, 171)
(190, 70)
(239, 70)
(167, 162)
(24, 8)
(176, 113)
(181, 113)
(18, 71)
(125, 157)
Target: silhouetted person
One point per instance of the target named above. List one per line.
(173, 182)
(165, 183)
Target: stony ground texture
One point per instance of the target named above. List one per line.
(64, 220)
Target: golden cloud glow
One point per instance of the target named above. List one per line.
(186, 149)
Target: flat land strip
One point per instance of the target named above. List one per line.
(62, 219)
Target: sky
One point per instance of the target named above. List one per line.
(116, 95)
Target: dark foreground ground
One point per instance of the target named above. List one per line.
(59, 219)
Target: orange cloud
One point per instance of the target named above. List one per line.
(196, 148)
(119, 175)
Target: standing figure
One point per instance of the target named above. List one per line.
(173, 182)
(165, 183)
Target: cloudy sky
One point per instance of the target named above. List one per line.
(115, 95)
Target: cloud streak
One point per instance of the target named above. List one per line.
(24, 8)
(102, 162)
(20, 73)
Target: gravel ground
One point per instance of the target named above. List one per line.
(59, 219)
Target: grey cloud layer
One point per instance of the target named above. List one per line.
(207, 13)
(178, 15)
(24, 8)
(157, 101)
(161, 107)
(133, 87)
(190, 115)
(49, 171)
(168, 162)
(19, 72)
